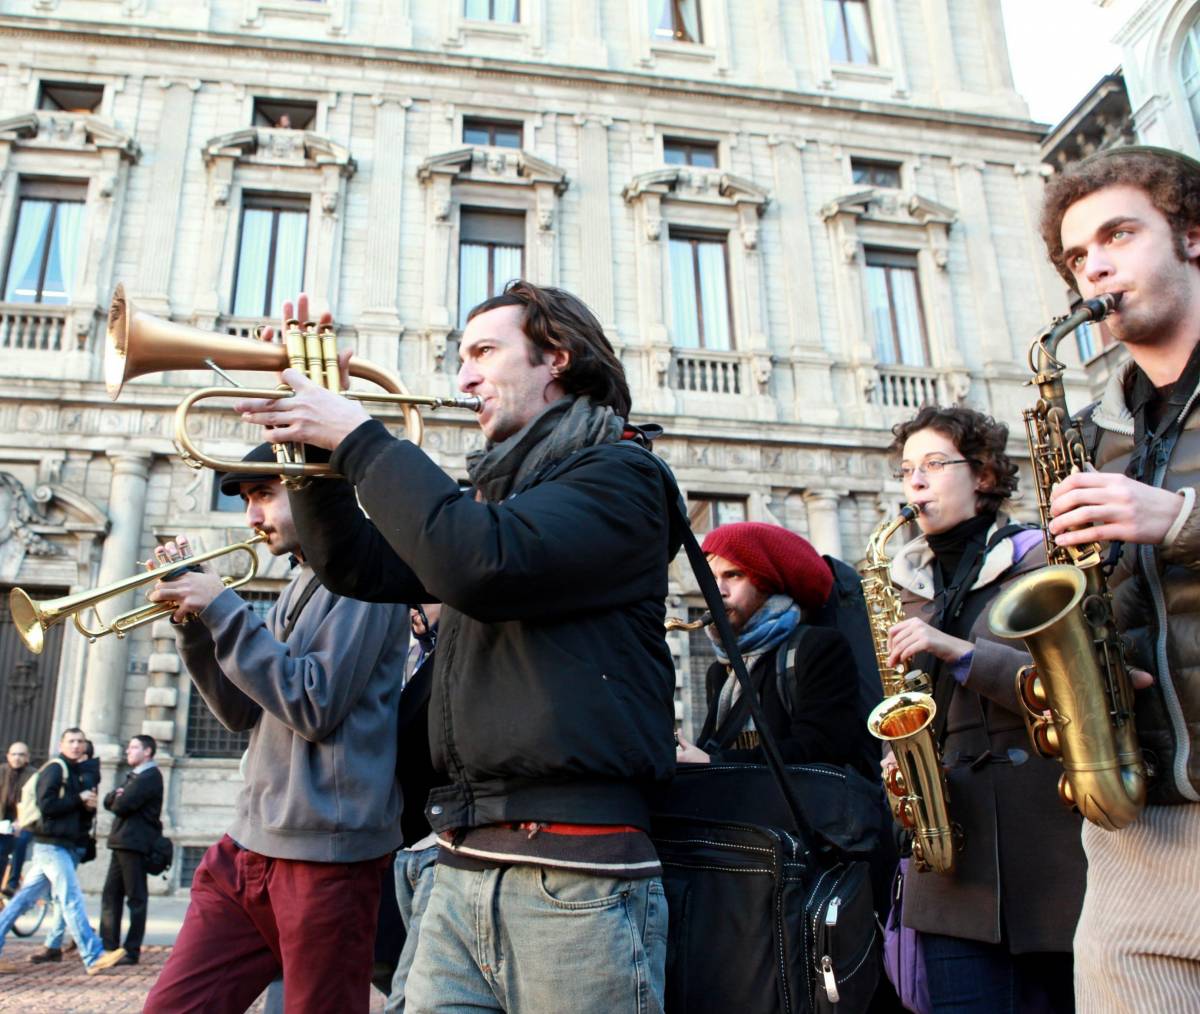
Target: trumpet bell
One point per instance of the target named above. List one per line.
(28, 619)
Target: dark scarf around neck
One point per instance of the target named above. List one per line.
(561, 428)
(950, 546)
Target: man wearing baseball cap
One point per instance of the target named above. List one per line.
(771, 580)
(295, 884)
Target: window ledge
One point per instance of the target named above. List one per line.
(868, 72)
(513, 31)
(695, 51)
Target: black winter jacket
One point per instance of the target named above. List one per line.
(822, 725)
(553, 684)
(65, 820)
(137, 810)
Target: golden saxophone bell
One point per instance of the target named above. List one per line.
(139, 343)
(678, 623)
(33, 618)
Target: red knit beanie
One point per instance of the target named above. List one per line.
(775, 560)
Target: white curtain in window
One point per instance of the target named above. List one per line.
(25, 262)
(714, 295)
(505, 10)
(472, 278)
(908, 316)
(289, 258)
(881, 314)
(858, 41)
(64, 253)
(834, 32)
(506, 266)
(685, 330)
(1189, 71)
(253, 257)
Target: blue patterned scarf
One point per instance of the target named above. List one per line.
(775, 620)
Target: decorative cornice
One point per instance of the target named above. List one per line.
(494, 165)
(689, 183)
(277, 146)
(870, 202)
(68, 131)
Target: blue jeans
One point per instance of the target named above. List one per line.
(971, 977)
(15, 846)
(533, 938)
(414, 882)
(58, 921)
(53, 871)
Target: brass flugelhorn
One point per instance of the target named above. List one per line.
(139, 343)
(33, 618)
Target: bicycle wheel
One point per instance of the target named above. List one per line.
(30, 921)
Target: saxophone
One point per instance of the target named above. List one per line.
(1076, 698)
(917, 785)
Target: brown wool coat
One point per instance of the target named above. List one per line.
(1020, 875)
(1168, 713)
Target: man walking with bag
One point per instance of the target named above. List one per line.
(137, 805)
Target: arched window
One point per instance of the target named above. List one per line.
(1189, 71)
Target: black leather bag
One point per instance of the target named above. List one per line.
(768, 891)
(158, 859)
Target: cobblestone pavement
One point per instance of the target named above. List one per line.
(65, 988)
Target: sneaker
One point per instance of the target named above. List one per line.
(70, 945)
(129, 959)
(10, 968)
(44, 955)
(106, 960)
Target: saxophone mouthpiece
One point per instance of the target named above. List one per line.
(1103, 305)
(910, 511)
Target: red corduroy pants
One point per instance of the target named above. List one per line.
(251, 916)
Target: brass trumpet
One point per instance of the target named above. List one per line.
(678, 623)
(33, 619)
(139, 343)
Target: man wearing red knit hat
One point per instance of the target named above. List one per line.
(771, 580)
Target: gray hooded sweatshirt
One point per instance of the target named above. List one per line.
(321, 767)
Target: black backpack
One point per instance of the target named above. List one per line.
(158, 859)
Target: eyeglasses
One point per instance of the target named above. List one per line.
(931, 467)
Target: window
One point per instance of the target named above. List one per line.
(45, 246)
(491, 252)
(1189, 71)
(70, 96)
(271, 248)
(894, 299)
(700, 292)
(848, 26)
(677, 20)
(708, 512)
(497, 133)
(875, 174)
(1092, 339)
(508, 11)
(681, 151)
(206, 736)
(285, 114)
(225, 501)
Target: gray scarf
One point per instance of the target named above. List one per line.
(559, 429)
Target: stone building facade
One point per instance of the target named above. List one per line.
(797, 222)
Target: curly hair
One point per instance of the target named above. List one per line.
(1169, 178)
(555, 319)
(979, 439)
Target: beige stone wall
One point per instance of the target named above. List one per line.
(169, 155)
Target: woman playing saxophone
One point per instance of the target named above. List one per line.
(996, 930)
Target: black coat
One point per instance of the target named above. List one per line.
(823, 726)
(65, 821)
(137, 810)
(553, 687)
(414, 768)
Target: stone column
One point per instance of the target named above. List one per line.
(108, 659)
(939, 49)
(824, 526)
(162, 691)
(992, 330)
(595, 216)
(166, 188)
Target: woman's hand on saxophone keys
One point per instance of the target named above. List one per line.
(912, 636)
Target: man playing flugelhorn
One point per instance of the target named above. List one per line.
(294, 885)
(1128, 222)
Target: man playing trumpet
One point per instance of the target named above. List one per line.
(294, 885)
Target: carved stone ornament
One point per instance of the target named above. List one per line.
(545, 219)
(68, 131)
(329, 201)
(278, 146)
(17, 535)
(490, 165)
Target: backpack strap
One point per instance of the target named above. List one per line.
(785, 663)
